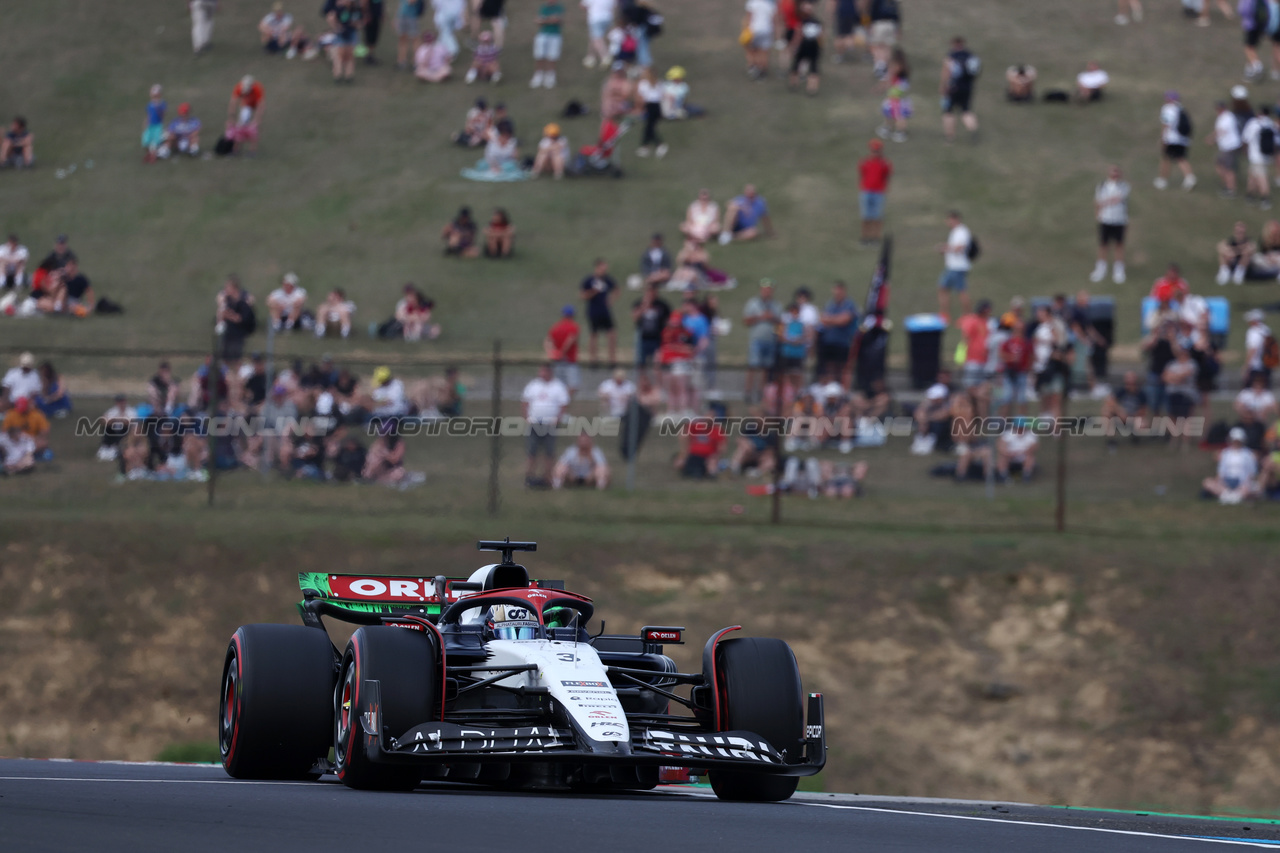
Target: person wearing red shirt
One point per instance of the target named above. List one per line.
(699, 448)
(1015, 361)
(675, 356)
(244, 112)
(790, 12)
(561, 347)
(874, 173)
(1172, 287)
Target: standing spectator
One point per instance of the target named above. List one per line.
(244, 112)
(1224, 6)
(1226, 138)
(547, 44)
(848, 20)
(1260, 139)
(1015, 365)
(432, 61)
(650, 313)
(746, 217)
(956, 265)
(490, 13)
(1175, 139)
(1254, 16)
(1180, 386)
(806, 49)
(345, 19)
(975, 329)
(153, 129)
(162, 390)
(408, 25)
(1048, 341)
(885, 17)
(21, 381)
(600, 14)
(960, 72)
(286, 304)
(615, 393)
(874, 173)
(676, 357)
(617, 94)
(1237, 470)
(450, 16)
(17, 452)
(1129, 10)
(543, 402)
(655, 264)
(1080, 323)
(795, 339)
(13, 264)
(1234, 254)
(649, 94)
(372, 14)
(235, 318)
(837, 323)
(1158, 344)
(583, 464)
(561, 349)
(1259, 348)
(18, 145)
(758, 28)
(202, 23)
(599, 290)
(896, 108)
(499, 234)
(1111, 207)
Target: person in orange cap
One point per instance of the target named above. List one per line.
(31, 421)
(553, 152)
(874, 173)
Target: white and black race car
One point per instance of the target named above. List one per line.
(496, 680)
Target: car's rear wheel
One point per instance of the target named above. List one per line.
(403, 662)
(276, 708)
(761, 693)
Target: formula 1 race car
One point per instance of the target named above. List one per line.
(495, 680)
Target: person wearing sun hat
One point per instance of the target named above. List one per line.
(388, 394)
(553, 152)
(1237, 471)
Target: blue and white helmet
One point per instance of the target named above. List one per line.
(512, 622)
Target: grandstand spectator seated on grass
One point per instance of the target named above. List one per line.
(26, 416)
(1020, 83)
(700, 448)
(969, 451)
(702, 219)
(349, 457)
(413, 314)
(499, 235)
(66, 291)
(694, 270)
(279, 34)
(824, 478)
(115, 420)
(55, 260)
(485, 64)
(17, 452)
(746, 217)
(460, 236)
(1091, 83)
(1236, 477)
(475, 128)
(1264, 265)
(553, 152)
(53, 398)
(1255, 406)
(287, 304)
(18, 147)
(388, 395)
(583, 464)
(656, 266)
(13, 264)
(183, 134)
(933, 418)
(384, 461)
(335, 312)
(1016, 451)
(432, 61)
(1235, 254)
(501, 153)
(675, 97)
(1128, 403)
(22, 380)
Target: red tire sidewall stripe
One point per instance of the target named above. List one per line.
(354, 717)
(239, 702)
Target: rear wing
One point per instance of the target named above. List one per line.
(366, 598)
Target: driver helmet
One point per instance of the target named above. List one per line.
(512, 622)
(559, 617)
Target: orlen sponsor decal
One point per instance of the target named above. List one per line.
(381, 589)
(602, 714)
(584, 684)
(662, 636)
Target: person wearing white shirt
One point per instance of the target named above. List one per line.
(615, 393)
(1016, 445)
(1259, 137)
(17, 451)
(1237, 471)
(13, 263)
(1226, 138)
(543, 402)
(388, 395)
(1111, 206)
(286, 303)
(599, 20)
(1091, 82)
(580, 465)
(450, 16)
(116, 421)
(23, 380)
(955, 265)
(1255, 341)
(1174, 143)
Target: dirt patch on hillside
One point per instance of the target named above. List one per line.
(1029, 683)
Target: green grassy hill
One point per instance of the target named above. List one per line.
(353, 183)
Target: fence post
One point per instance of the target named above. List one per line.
(495, 443)
(212, 377)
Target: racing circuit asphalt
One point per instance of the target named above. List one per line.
(113, 808)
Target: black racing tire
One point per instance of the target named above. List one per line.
(762, 694)
(404, 663)
(276, 709)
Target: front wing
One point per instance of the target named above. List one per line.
(445, 743)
